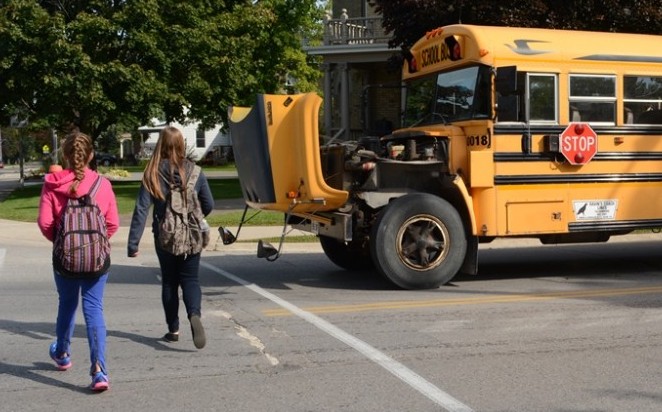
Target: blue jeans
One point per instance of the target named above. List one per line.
(91, 292)
(176, 272)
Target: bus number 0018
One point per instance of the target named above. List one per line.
(483, 140)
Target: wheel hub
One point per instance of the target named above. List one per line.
(422, 242)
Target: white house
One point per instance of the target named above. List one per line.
(212, 144)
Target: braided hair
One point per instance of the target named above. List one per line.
(77, 151)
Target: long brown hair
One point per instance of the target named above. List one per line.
(77, 151)
(170, 146)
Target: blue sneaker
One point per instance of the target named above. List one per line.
(99, 382)
(62, 363)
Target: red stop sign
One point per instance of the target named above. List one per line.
(578, 143)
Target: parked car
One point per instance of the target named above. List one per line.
(105, 159)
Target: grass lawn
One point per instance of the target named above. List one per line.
(141, 168)
(23, 203)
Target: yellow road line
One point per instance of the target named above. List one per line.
(366, 307)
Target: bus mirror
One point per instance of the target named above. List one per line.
(507, 108)
(506, 80)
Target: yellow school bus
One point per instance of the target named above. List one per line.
(508, 132)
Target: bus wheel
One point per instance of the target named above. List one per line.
(347, 255)
(418, 242)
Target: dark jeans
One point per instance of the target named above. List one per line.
(176, 272)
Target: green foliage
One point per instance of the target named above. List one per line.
(409, 20)
(94, 64)
(16, 141)
(231, 219)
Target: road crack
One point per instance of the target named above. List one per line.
(253, 340)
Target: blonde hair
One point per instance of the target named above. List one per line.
(77, 151)
(170, 146)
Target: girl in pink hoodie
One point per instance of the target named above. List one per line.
(75, 181)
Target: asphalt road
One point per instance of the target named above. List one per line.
(542, 328)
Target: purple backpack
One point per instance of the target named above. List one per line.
(81, 248)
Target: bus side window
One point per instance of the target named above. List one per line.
(542, 96)
(593, 98)
(536, 100)
(642, 98)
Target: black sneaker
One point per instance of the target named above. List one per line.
(198, 332)
(171, 337)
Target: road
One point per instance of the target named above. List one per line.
(542, 328)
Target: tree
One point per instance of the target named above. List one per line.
(409, 20)
(92, 64)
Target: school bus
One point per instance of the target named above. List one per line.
(508, 132)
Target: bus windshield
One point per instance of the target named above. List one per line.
(448, 97)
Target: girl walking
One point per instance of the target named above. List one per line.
(76, 181)
(169, 167)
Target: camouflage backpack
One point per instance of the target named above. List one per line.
(183, 229)
(81, 248)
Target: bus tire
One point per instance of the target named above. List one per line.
(347, 255)
(418, 241)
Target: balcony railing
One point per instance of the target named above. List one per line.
(354, 30)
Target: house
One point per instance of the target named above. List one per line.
(212, 146)
(362, 95)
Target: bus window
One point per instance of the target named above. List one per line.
(593, 98)
(448, 97)
(542, 98)
(540, 94)
(642, 99)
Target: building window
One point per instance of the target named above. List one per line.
(200, 138)
(642, 100)
(593, 98)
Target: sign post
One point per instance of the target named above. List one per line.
(2, 164)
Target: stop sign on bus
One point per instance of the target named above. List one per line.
(578, 143)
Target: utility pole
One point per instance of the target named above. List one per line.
(20, 157)
(19, 125)
(2, 164)
(54, 145)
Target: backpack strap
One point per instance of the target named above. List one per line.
(95, 187)
(166, 180)
(192, 178)
(88, 198)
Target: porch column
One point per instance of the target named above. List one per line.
(344, 99)
(328, 100)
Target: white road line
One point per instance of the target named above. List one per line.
(2, 257)
(405, 374)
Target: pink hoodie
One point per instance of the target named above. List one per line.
(55, 192)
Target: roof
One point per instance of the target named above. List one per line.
(492, 44)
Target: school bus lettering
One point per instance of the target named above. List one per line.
(498, 138)
(579, 143)
(482, 140)
(447, 50)
(433, 55)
